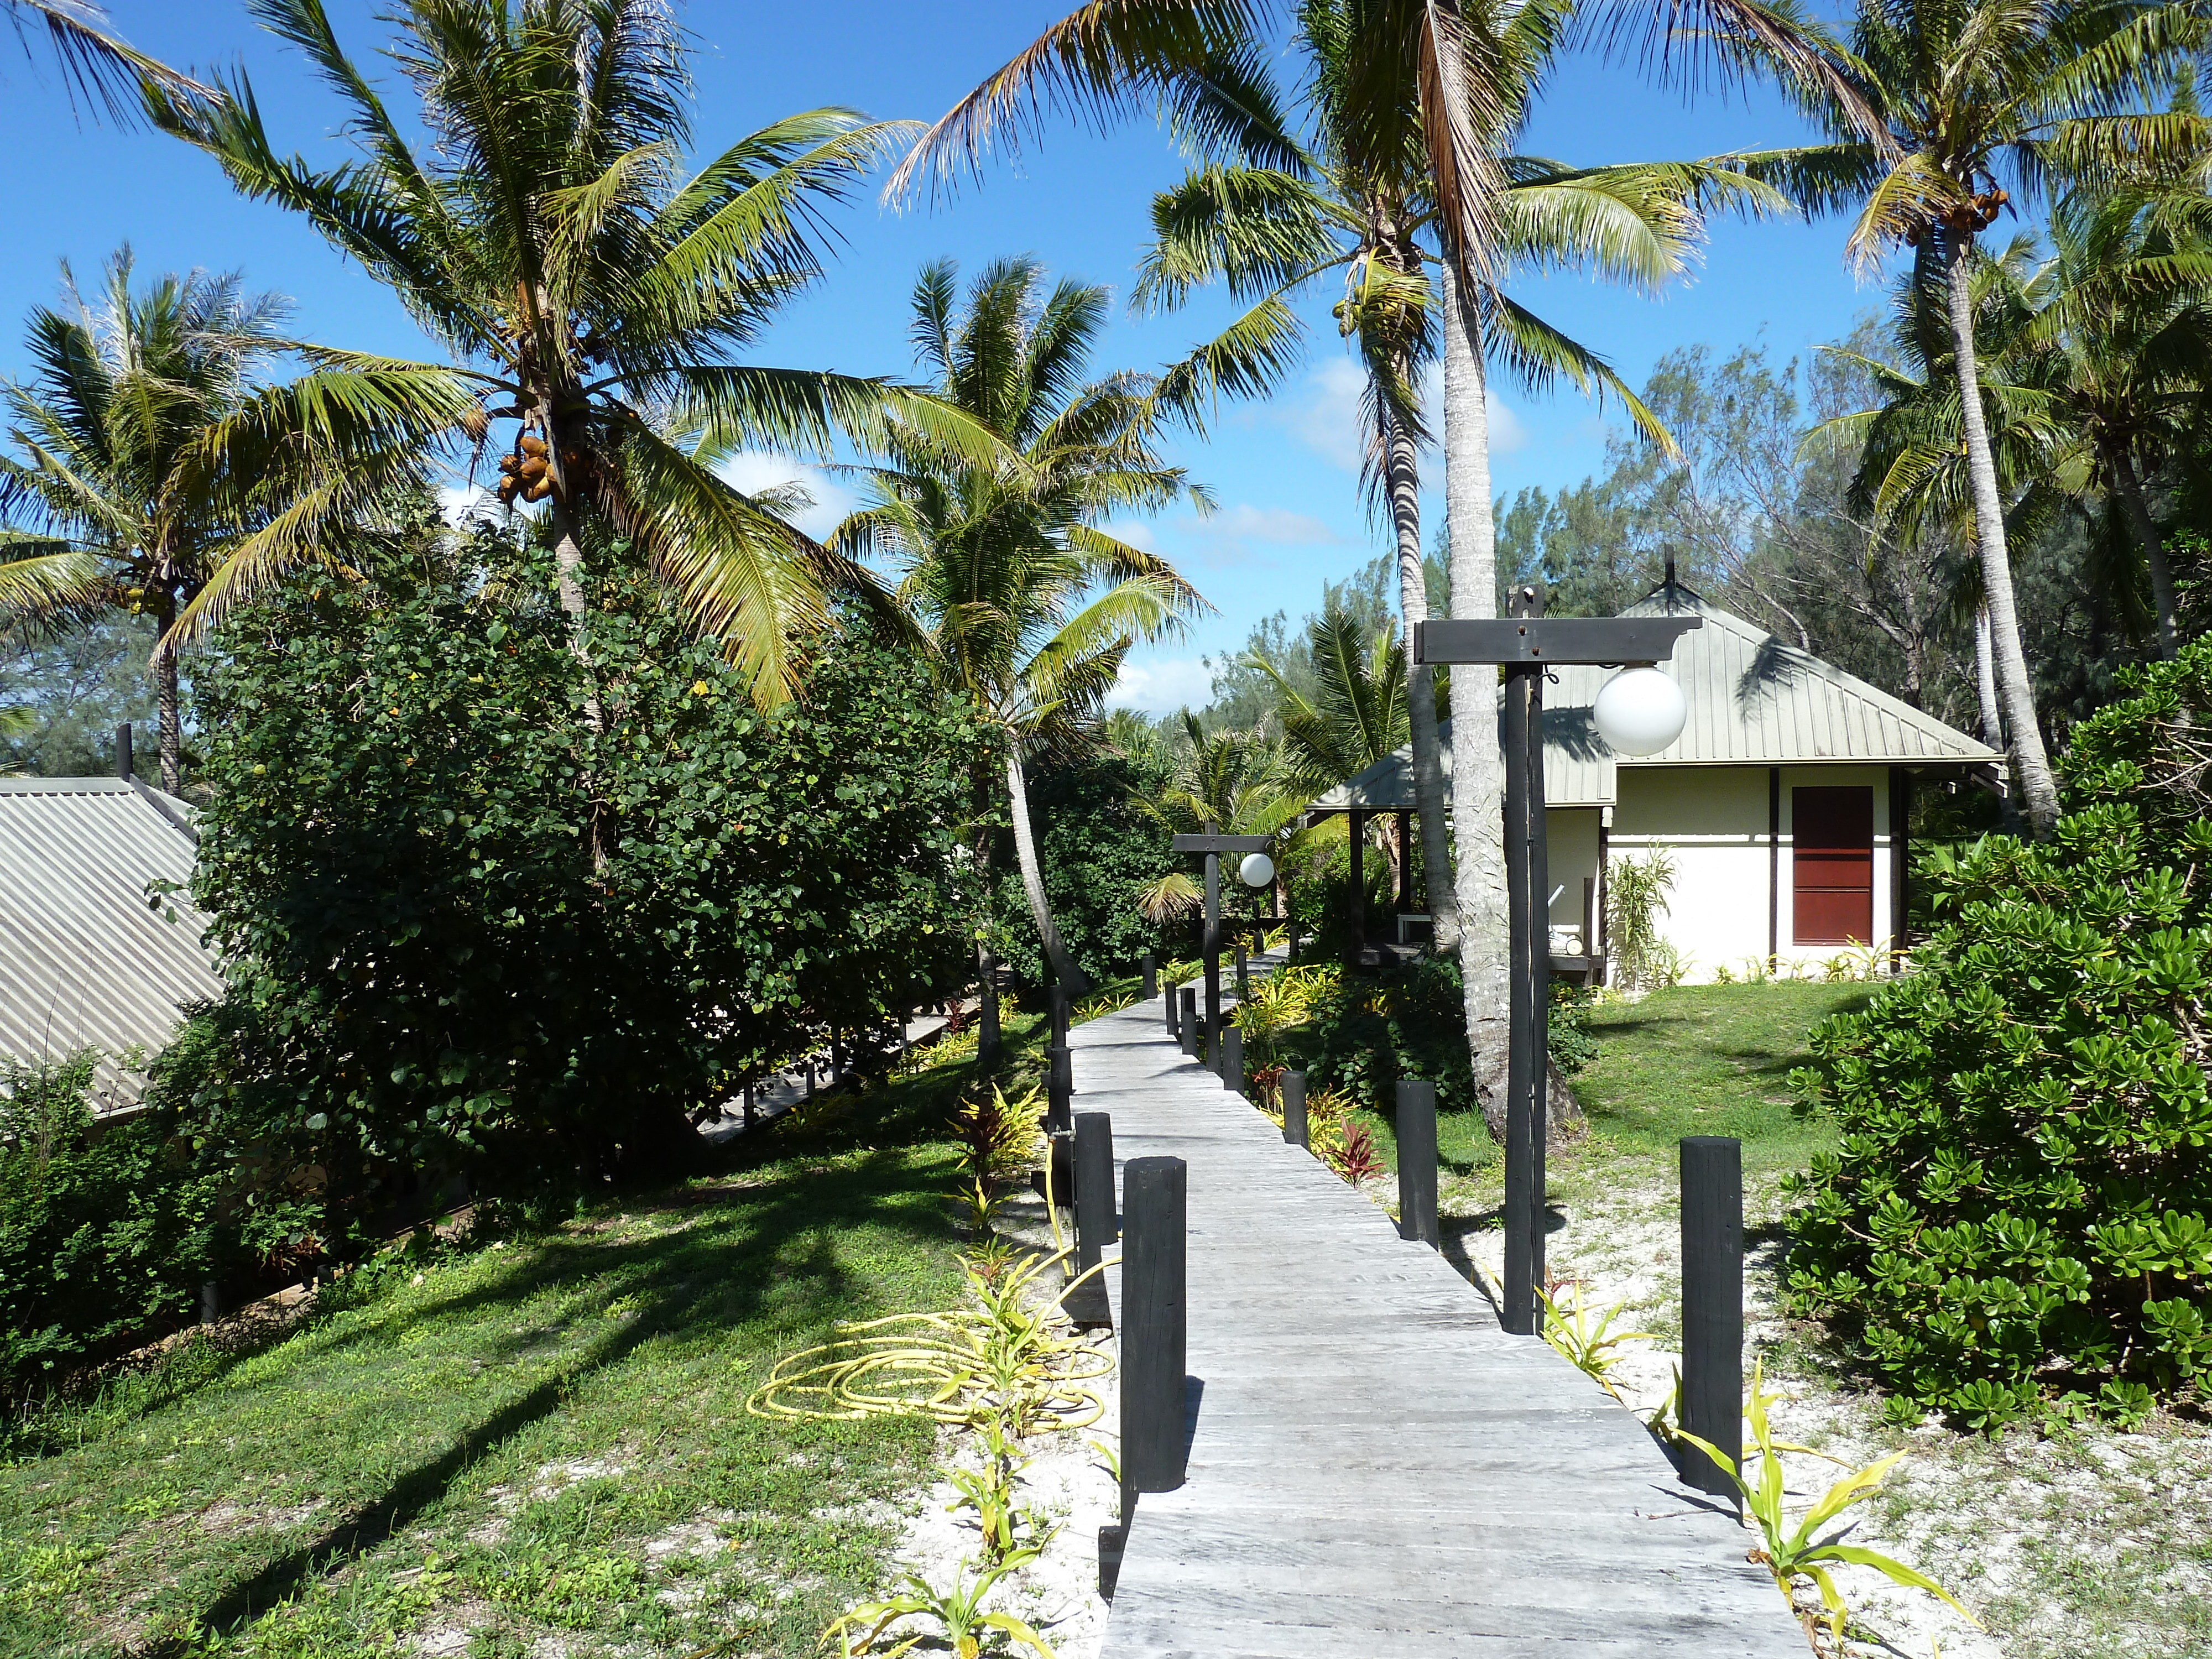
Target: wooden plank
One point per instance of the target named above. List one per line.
(1376, 1470)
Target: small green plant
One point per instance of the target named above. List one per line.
(953, 1618)
(1790, 1553)
(976, 1207)
(994, 1492)
(1635, 897)
(1593, 1350)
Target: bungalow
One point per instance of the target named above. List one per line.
(1782, 806)
(89, 958)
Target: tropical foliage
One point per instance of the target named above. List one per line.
(2013, 1220)
(1026, 604)
(122, 493)
(594, 294)
(430, 970)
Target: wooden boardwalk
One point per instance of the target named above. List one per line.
(1377, 1471)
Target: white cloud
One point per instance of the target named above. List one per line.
(461, 502)
(1326, 416)
(1135, 531)
(1237, 533)
(754, 470)
(1162, 687)
(1507, 435)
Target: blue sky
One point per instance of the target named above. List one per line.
(1285, 473)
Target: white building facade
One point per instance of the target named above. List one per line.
(1783, 808)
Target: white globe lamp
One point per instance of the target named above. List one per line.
(1640, 711)
(1257, 870)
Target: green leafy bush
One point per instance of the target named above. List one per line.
(1360, 1034)
(104, 1237)
(1096, 850)
(2018, 1215)
(431, 969)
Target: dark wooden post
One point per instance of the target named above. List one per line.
(1232, 1059)
(1151, 978)
(1417, 1162)
(1095, 1222)
(1190, 1028)
(987, 1009)
(1244, 980)
(1294, 1107)
(1712, 1305)
(210, 1296)
(1059, 1079)
(1171, 999)
(1060, 1015)
(1154, 1329)
(125, 766)
(1290, 953)
(1059, 1123)
(1528, 1047)
(1213, 943)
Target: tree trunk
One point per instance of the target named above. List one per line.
(2129, 487)
(2014, 690)
(168, 700)
(1985, 681)
(1405, 480)
(569, 584)
(1478, 767)
(987, 1007)
(1055, 952)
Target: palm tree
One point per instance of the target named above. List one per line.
(1911, 480)
(1357, 712)
(1356, 716)
(592, 296)
(110, 497)
(1026, 603)
(1271, 215)
(1438, 73)
(98, 64)
(2126, 319)
(1970, 94)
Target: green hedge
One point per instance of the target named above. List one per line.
(104, 1237)
(2018, 1216)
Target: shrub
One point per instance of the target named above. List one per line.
(104, 1237)
(429, 969)
(1361, 1034)
(2017, 1208)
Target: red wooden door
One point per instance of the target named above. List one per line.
(1831, 865)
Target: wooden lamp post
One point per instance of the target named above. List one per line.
(1214, 846)
(1636, 717)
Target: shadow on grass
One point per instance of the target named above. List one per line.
(705, 1289)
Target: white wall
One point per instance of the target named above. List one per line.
(1713, 821)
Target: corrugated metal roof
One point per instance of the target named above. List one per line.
(85, 960)
(1753, 700)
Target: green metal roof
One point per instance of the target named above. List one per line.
(1754, 700)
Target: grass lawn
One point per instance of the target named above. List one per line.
(1700, 1060)
(474, 1451)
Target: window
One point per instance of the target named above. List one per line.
(1831, 865)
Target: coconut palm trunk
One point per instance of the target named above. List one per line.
(1985, 680)
(2129, 487)
(2015, 694)
(1478, 769)
(1055, 949)
(1405, 483)
(169, 706)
